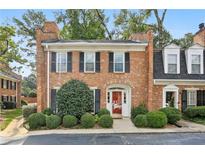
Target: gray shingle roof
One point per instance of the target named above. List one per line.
(159, 68)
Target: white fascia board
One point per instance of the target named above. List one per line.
(7, 77)
(178, 82)
(95, 46)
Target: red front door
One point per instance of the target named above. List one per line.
(117, 102)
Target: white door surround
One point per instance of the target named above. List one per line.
(126, 98)
(170, 88)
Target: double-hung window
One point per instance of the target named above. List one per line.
(119, 62)
(4, 84)
(195, 64)
(172, 63)
(61, 62)
(192, 97)
(89, 62)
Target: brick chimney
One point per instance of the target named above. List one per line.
(147, 37)
(49, 31)
(199, 37)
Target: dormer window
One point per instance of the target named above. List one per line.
(172, 63)
(171, 59)
(194, 58)
(195, 64)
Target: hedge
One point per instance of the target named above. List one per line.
(103, 112)
(106, 121)
(156, 119)
(87, 120)
(141, 109)
(28, 110)
(197, 111)
(69, 121)
(140, 120)
(53, 121)
(36, 120)
(173, 114)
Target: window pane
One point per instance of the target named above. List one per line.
(195, 59)
(118, 67)
(89, 57)
(61, 62)
(195, 69)
(119, 57)
(192, 98)
(172, 59)
(89, 67)
(172, 68)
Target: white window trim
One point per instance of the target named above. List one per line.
(171, 52)
(93, 88)
(57, 55)
(123, 62)
(188, 97)
(87, 52)
(170, 88)
(194, 50)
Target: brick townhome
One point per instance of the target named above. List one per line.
(121, 73)
(10, 87)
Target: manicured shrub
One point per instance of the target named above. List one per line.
(47, 111)
(74, 98)
(36, 120)
(156, 119)
(8, 105)
(69, 121)
(141, 109)
(87, 120)
(53, 121)
(140, 120)
(197, 111)
(173, 114)
(103, 112)
(28, 110)
(96, 118)
(105, 121)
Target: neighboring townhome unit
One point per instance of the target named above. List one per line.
(10, 87)
(118, 71)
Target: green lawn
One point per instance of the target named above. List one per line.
(8, 116)
(199, 120)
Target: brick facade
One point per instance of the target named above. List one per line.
(139, 79)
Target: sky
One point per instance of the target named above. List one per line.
(177, 22)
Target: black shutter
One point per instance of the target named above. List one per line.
(110, 62)
(2, 83)
(2, 98)
(7, 98)
(53, 100)
(97, 100)
(81, 64)
(203, 101)
(15, 99)
(97, 62)
(14, 85)
(69, 62)
(184, 100)
(10, 84)
(127, 62)
(11, 100)
(53, 61)
(199, 97)
(7, 84)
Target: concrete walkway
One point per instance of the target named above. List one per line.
(14, 129)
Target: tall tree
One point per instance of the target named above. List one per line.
(9, 49)
(184, 42)
(26, 31)
(129, 22)
(29, 85)
(162, 35)
(83, 24)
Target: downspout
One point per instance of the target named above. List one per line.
(48, 71)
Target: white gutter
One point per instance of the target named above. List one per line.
(93, 44)
(178, 81)
(48, 71)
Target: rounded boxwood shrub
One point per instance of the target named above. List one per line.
(74, 98)
(141, 109)
(69, 121)
(87, 120)
(47, 111)
(53, 121)
(156, 119)
(103, 112)
(36, 120)
(28, 110)
(105, 121)
(173, 114)
(140, 120)
(197, 111)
